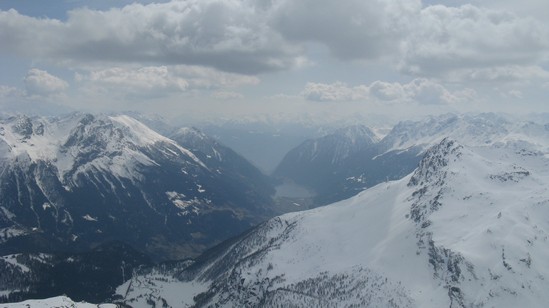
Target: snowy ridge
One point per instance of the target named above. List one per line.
(57, 302)
(339, 145)
(468, 228)
(472, 130)
(60, 141)
(143, 135)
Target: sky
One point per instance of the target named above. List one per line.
(208, 59)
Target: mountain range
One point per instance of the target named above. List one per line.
(351, 159)
(467, 228)
(449, 211)
(70, 184)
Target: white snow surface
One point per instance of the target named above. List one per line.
(469, 228)
(157, 286)
(45, 139)
(12, 259)
(57, 302)
(468, 129)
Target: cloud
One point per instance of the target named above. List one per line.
(144, 79)
(156, 81)
(7, 92)
(504, 73)
(515, 94)
(337, 91)
(472, 39)
(420, 90)
(258, 36)
(352, 29)
(387, 91)
(227, 95)
(41, 83)
(227, 35)
(426, 91)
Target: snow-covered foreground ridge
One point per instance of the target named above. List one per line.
(57, 302)
(469, 228)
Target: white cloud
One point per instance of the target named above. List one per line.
(449, 39)
(387, 91)
(421, 90)
(227, 35)
(227, 95)
(202, 77)
(352, 29)
(10, 92)
(252, 36)
(505, 73)
(144, 79)
(515, 94)
(337, 91)
(38, 82)
(428, 92)
(155, 81)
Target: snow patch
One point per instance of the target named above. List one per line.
(89, 218)
(58, 302)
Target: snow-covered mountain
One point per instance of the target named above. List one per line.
(263, 143)
(468, 228)
(57, 302)
(349, 160)
(469, 129)
(238, 173)
(343, 163)
(75, 181)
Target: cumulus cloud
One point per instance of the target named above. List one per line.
(10, 92)
(227, 35)
(144, 79)
(420, 90)
(387, 91)
(160, 80)
(352, 29)
(429, 92)
(243, 36)
(256, 36)
(505, 73)
(227, 95)
(449, 39)
(215, 46)
(515, 94)
(337, 91)
(39, 82)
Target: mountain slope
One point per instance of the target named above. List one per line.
(91, 276)
(77, 181)
(58, 302)
(238, 173)
(349, 160)
(343, 163)
(468, 228)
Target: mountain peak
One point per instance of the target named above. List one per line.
(354, 133)
(434, 160)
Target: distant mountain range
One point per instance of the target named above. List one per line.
(351, 159)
